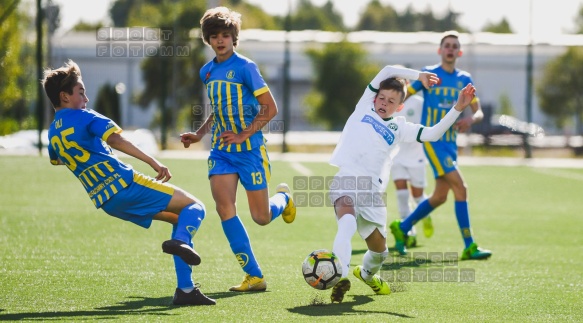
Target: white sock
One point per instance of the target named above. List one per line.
(405, 208)
(372, 262)
(343, 241)
(403, 203)
(188, 289)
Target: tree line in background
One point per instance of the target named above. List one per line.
(183, 86)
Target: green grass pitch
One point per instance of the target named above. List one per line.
(63, 260)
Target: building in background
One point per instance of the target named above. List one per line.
(497, 63)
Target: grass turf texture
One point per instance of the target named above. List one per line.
(61, 259)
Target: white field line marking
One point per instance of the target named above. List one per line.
(303, 170)
(559, 173)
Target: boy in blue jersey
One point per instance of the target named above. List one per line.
(442, 154)
(81, 140)
(241, 105)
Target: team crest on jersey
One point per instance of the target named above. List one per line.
(242, 258)
(211, 164)
(230, 74)
(393, 126)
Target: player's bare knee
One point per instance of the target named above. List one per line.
(436, 201)
(263, 219)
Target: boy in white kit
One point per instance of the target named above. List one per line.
(363, 155)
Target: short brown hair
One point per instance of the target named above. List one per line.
(396, 84)
(61, 79)
(219, 19)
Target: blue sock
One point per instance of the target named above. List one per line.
(189, 221)
(277, 204)
(241, 246)
(462, 214)
(182, 269)
(422, 210)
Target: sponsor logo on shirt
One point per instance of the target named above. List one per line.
(381, 129)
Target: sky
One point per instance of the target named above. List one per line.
(548, 17)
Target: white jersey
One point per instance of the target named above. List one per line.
(367, 143)
(411, 154)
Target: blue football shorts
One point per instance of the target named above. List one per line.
(442, 157)
(140, 201)
(252, 166)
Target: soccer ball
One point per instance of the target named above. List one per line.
(322, 269)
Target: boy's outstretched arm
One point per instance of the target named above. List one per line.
(465, 97)
(435, 132)
(116, 141)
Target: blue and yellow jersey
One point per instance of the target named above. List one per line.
(77, 138)
(440, 98)
(232, 87)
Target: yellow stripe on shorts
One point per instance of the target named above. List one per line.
(434, 160)
(153, 184)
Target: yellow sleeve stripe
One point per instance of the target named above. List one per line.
(109, 131)
(410, 91)
(260, 91)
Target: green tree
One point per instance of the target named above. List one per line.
(107, 102)
(428, 20)
(253, 17)
(503, 27)
(342, 73)
(559, 89)
(450, 22)
(378, 17)
(13, 67)
(308, 16)
(386, 18)
(120, 12)
(86, 26)
(408, 20)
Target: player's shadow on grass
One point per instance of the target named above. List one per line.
(411, 260)
(392, 250)
(136, 305)
(344, 308)
(398, 262)
(221, 295)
